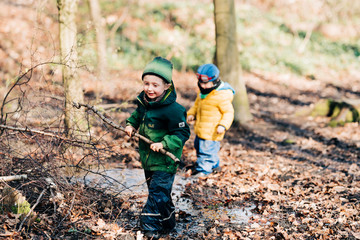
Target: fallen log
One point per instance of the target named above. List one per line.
(340, 111)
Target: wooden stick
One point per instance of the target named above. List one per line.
(111, 123)
(48, 134)
(32, 209)
(68, 213)
(12, 178)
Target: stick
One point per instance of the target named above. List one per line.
(67, 214)
(111, 123)
(12, 178)
(48, 134)
(31, 210)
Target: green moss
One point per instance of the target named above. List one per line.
(352, 115)
(288, 141)
(321, 108)
(21, 208)
(334, 123)
(356, 114)
(340, 112)
(335, 109)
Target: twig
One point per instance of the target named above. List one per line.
(53, 200)
(97, 173)
(111, 106)
(306, 40)
(111, 123)
(12, 178)
(31, 210)
(67, 214)
(117, 24)
(18, 83)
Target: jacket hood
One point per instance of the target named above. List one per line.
(226, 86)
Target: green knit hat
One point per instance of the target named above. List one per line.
(160, 67)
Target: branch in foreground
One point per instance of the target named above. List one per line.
(48, 134)
(116, 126)
(12, 178)
(31, 210)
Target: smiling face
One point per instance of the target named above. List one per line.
(154, 86)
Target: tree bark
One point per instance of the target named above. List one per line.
(226, 57)
(74, 118)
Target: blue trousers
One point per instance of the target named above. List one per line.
(158, 213)
(207, 155)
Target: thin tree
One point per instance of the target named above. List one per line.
(74, 118)
(102, 72)
(226, 56)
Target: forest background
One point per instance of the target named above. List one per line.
(297, 160)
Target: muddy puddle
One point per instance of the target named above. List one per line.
(131, 183)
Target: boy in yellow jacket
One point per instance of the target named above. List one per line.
(213, 113)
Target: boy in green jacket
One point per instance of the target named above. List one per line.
(161, 119)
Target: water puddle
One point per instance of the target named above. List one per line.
(131, 182)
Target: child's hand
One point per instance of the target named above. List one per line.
(156, 147)
(190, 118)
(129, 130)
(220, 129)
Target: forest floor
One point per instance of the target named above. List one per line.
(293, 175)
(296, 177)
(301, 175)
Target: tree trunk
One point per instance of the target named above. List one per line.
(101, 73)
(74, 118)
(226, 56)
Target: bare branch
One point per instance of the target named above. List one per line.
(32, 209)
(17, 83)
(68, 213)
(43, 133)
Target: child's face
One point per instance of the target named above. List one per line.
(154, 86)
(206, 85)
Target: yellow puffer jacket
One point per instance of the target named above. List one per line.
(213, 110)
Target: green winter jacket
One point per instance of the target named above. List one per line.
(162, 121)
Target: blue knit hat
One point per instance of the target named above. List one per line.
(207, 73)
(160, 67)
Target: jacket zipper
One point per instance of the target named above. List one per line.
(143, 123)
